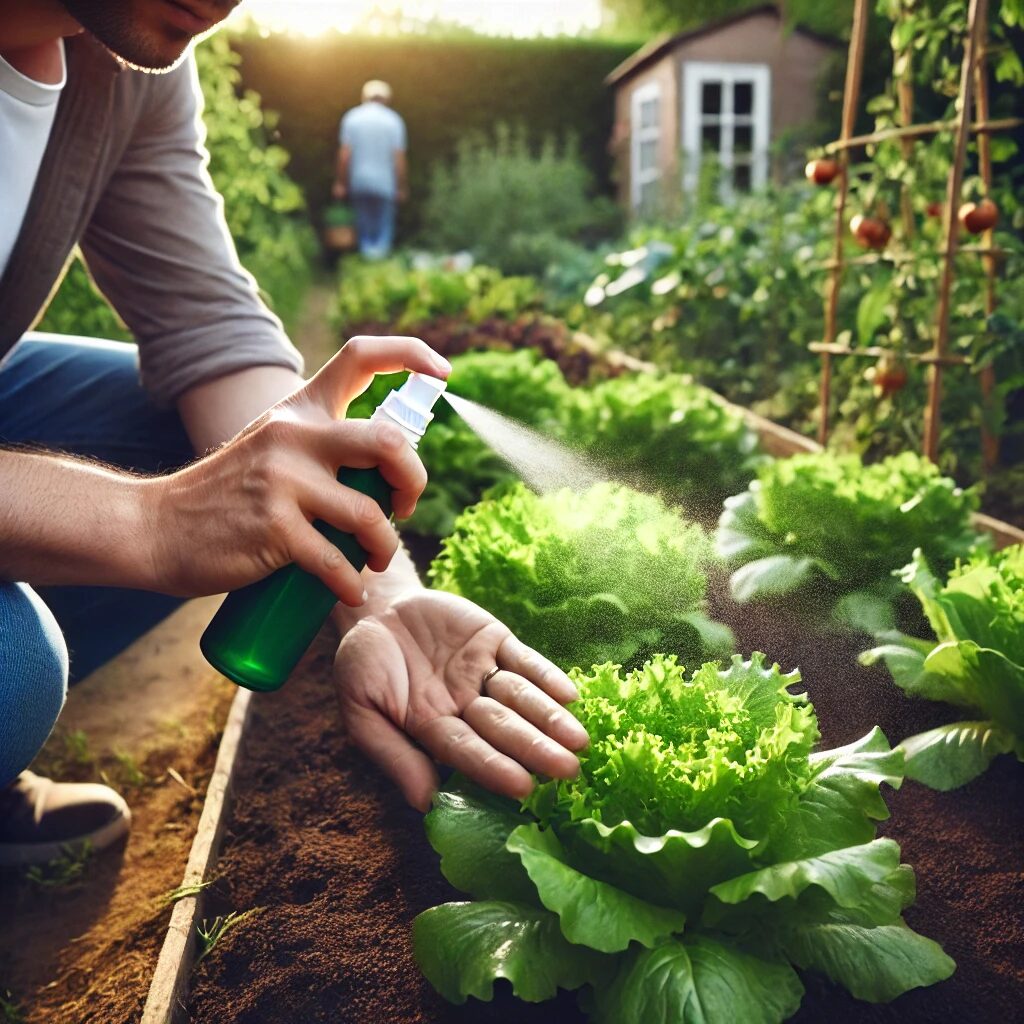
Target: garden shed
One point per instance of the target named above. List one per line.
(732, 89)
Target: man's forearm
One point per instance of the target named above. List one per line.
(214, 411)
(67, 521)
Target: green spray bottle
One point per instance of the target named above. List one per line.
(261, 631)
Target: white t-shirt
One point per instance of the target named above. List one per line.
(27, 110)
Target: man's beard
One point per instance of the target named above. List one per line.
(117, 25)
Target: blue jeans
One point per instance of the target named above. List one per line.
(375, 224)
(83, 397)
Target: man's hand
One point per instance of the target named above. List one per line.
(338, 190)
(247, 509)
(411, 684)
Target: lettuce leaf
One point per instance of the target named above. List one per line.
(463, 948)
(698, 981)
(976, 662)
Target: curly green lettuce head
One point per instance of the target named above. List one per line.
(820, 526)
(672, 750)
(704, 854)
(669, 432)
(864, 521)
(605, 575)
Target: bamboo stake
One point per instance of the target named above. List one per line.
(987, 376)
(976, 19)
(917, 131)
(851, 96)
(905, 96)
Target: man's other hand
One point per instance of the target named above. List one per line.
(417, 683)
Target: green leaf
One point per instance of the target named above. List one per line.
(592, 913)
(845, 874)
(841, 805)
(865, 611)
(987, 679)
(676, 868)
(468, 828)
(951, 755)
(741, 536)
(874, 964)
(871, 312)
(463, 948)
(774, 576)
(698, 981)
(904, 658)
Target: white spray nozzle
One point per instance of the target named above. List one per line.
(410, 406)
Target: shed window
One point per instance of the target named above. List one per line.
(645, 148)
(726, 118)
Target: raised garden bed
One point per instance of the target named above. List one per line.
(324, 844)
(336, 867)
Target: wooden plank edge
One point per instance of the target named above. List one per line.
(169, 987)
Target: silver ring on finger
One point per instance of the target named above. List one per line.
(488, 676)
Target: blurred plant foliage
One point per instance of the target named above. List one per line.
(513, 206)
(394, 293)
(265, 209)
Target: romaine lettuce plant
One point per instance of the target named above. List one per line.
(702, 857)
(608, 574)
(976, 662)
(826, 528)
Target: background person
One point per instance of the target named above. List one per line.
(371, 169)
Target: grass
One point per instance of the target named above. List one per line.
(63, 872)
(184, 891)
(211, 932)
(125, 772)
(10, 1012)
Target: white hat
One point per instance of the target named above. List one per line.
(376, 90)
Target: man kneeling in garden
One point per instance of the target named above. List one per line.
(103, 513)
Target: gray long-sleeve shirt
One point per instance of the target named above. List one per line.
(124, 177)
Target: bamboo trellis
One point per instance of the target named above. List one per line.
(973, 92)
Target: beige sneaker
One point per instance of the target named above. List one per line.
(39, 818)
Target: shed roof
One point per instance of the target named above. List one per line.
(663, 44)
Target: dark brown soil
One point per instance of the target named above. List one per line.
(324, 843)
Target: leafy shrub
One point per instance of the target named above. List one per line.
(665, 431)
(390, 292)
(608, 574)
(731, 294)
(511, 206)
(702, 855)
(976, 662)
(826, 527)
(264, 208)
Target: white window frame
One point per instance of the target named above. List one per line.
(638, 136)
(695, 74)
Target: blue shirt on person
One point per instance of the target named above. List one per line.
(374, 133)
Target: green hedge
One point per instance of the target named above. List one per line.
(445, 89)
